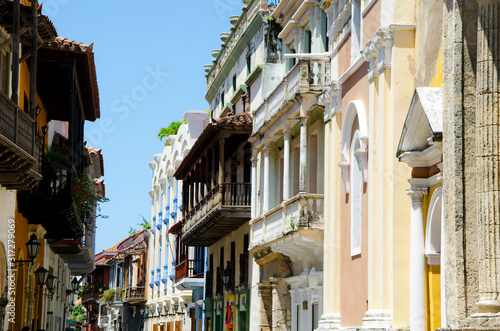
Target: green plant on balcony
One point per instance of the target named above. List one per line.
(291, 220)
(81, 289)
(108, 296)
(88, 201)
(172, 129)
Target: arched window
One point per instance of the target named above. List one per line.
(355, 110)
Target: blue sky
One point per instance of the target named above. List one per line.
(149, 57)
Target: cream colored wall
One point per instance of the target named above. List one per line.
(402, 73)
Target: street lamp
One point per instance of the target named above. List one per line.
(41, 275)
(74, 284)
(33, 246)
(159, 310)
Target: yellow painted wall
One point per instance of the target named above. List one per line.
(433, 277)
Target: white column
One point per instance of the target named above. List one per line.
(254, 187)
(286, 165)
(267, 197)
(417, 260)
(303, 155)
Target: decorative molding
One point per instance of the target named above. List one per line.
(426, 158)
(344, 166)
(378, 52)
(331, 99)
(152, 165)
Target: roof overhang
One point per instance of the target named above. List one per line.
(424, 123)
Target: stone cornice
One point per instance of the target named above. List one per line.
(425, 158)
(238, 49)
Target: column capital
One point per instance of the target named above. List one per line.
(254, 160)
(417, 194)
(286, 133)
(156, 187)
(266, 151)
(303, 120)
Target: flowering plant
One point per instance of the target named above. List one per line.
(87, 201)
(108, 296)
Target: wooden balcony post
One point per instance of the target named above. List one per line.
(33, 68)
(15, 51)
(222, 141)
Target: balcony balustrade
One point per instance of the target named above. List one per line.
(92, 294)
(189, 268)
(51, 204)
(304, 211)
(305, 77)
(134, 294)
(222, 210)
(20, 148)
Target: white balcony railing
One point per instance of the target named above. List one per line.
(308, 75)
(301, 212)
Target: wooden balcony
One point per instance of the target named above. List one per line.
(50, 203)
(189, 268)
(222, 210)
(20, 148)
(91, 294)
(134, 294)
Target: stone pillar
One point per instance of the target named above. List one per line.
(254, 187)
(266, 307)
(267, 151)
(281, 304)
(417, 260)
(488, 155)
(303, 155)
(286, 165)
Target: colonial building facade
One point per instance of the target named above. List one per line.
(176, 271)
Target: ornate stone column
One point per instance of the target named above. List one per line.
(417, 259)
(303, 155)
(267, 151)
(286, 165)
(488, 155)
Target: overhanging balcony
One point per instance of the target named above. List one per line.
(294, 228)
(134, 294)
(50, 203)
(222, 210)
(20, 148)
(307, 76)
(189, 274)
